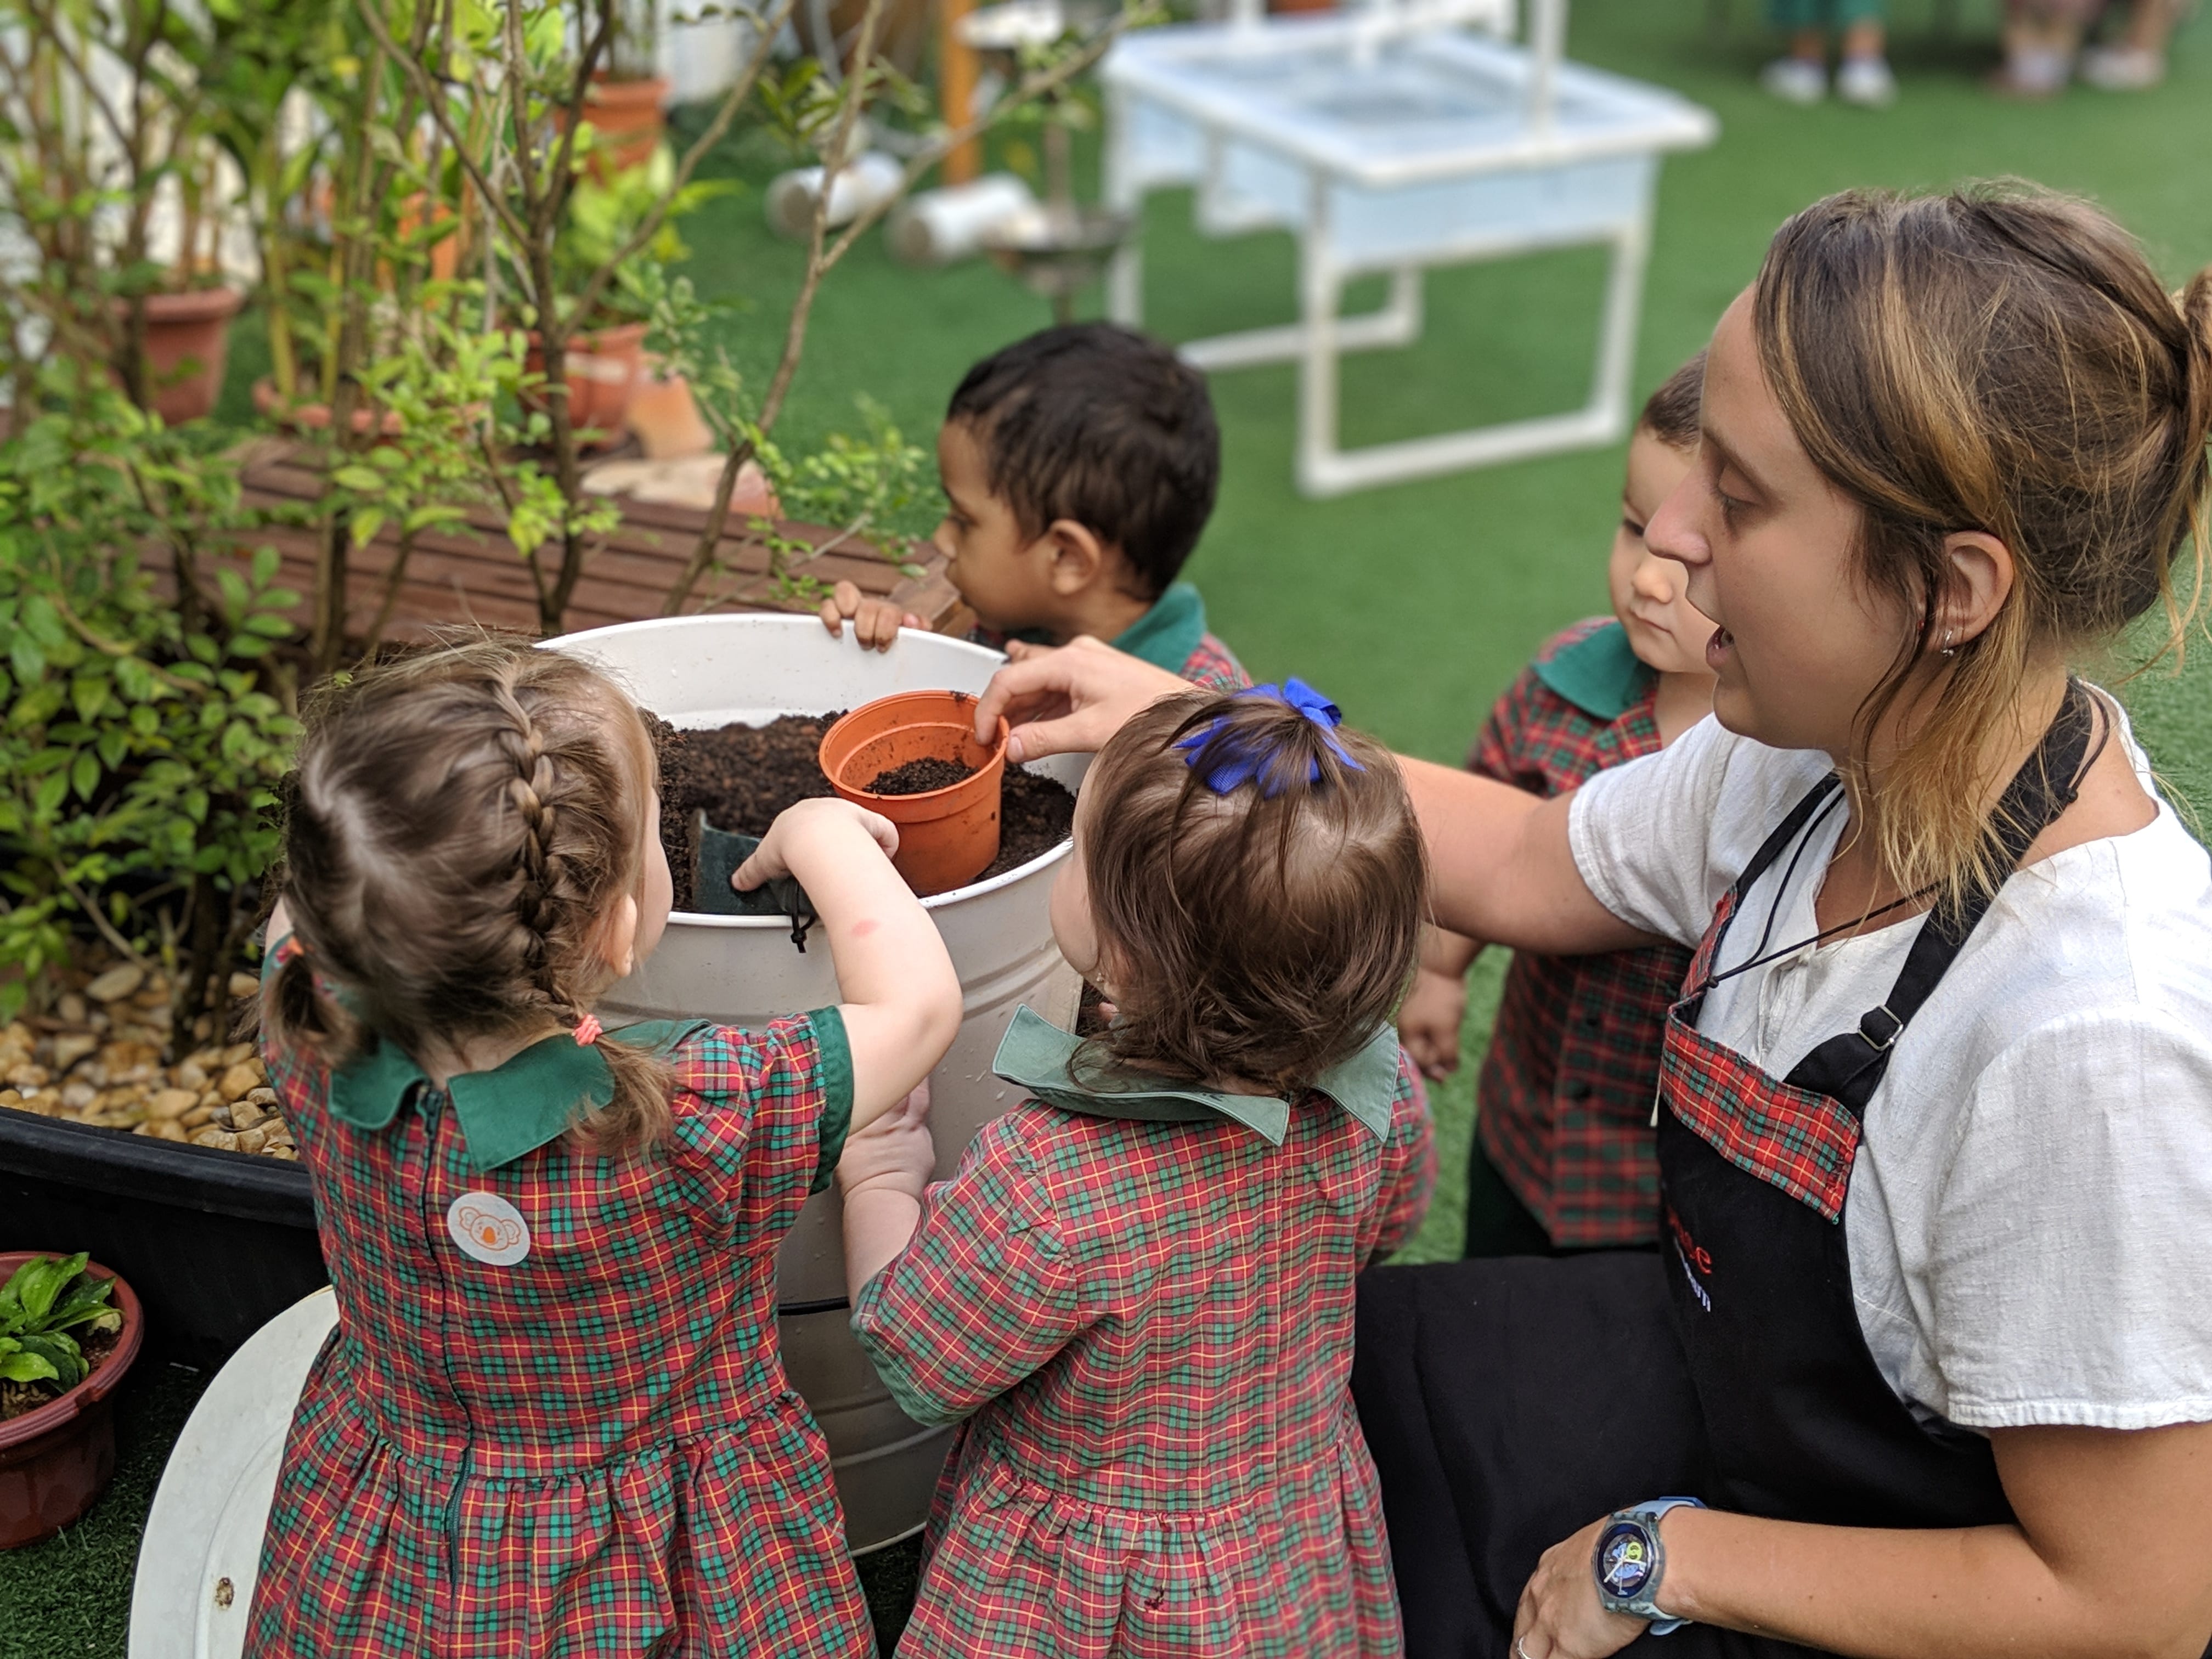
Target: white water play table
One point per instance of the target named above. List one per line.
(1388, 141)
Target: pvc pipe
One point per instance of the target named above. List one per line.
(863, 184)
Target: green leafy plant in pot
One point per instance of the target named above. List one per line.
(70, 1331)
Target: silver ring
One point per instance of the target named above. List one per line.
(1519, 1652)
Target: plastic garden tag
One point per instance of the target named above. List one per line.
(718, 854)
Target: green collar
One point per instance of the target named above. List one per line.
(1037, 1056)
(1600, 674)
(514, 1108)
(1165, 635)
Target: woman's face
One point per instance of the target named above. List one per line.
(1768, 541)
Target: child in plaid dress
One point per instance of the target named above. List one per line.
(1565, 1157)
(553, 1418)
(1136, 1293)
(1080, 466)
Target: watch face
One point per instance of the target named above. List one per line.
(1624, 1560)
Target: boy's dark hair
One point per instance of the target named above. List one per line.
(1250, 937)
(1670, 414)
(1103, 426)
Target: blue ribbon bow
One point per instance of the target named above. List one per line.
(1228, 758)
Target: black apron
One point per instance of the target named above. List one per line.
(1510, 1403)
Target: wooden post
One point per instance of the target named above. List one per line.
(955, 88)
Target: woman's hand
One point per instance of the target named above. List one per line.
(1559, 1616)
(805, 824)
(1068, 699)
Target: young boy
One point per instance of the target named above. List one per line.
(1564, 1157)
(1079, 465)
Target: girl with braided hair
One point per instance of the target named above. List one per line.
(553, 1418)
(1137, 1288)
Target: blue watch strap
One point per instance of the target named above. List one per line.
(1644, 1605)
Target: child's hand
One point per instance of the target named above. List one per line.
(800, 826)
(876, 622)
(1429, 1022)
(894, 1153)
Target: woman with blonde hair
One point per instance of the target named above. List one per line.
(1927, 1333)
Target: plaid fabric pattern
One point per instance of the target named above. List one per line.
(1789, 1137)
(1564, 1101)
(1215, 667)
(592, 1451)
(1152, 1325)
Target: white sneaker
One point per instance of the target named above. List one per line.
(1794, 80)
(2123, 69)
(1866, 82)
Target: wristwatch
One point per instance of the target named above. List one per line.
(1630, 1561)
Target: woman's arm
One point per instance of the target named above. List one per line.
(1500, 867)
(2108, 1559)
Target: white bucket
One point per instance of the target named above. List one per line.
(707, 671)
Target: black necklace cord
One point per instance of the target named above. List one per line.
(2079, 714)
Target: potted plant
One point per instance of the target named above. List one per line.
(69, 1332)
(628, 98)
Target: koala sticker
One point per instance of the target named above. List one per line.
(488, 1228)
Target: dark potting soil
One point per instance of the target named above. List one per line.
(743, 775)
(919, 777)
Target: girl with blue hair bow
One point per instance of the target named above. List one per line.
(1136, 1293)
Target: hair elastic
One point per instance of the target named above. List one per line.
(289, 950)
(1228, 758)
(588, 1031)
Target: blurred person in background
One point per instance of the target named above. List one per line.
(2043, 46)
(1863, 77)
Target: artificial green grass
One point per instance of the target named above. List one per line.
(1412, 605)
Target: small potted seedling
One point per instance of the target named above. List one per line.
(627, 101)
(69, 1332)
(914, 757)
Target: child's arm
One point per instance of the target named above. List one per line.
(988, 1290)
(881, 1177)
(901, 997)
(876, 622)
(1409, 1167)
(1436, 1006)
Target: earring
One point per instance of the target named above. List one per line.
(1949, 649)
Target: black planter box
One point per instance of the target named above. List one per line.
(215, 1244)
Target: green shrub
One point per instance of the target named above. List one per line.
(142, 742)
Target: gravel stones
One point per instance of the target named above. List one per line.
(100, 1057)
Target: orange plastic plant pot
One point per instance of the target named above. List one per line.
(947, 837)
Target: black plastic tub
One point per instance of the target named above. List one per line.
(215, 1244)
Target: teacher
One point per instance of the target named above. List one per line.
(1926, 1348)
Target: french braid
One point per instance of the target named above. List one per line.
(465, 820)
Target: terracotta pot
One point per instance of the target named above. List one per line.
(601, 370)
(187, 347)
(947, 837)
(55, 1461)
(628, 116)
(313, 417)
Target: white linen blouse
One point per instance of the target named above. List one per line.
(2035, 1177)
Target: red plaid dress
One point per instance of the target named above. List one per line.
(1564, 1103)
(1152, 1325)
(1215, 666)
(592, 1451)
